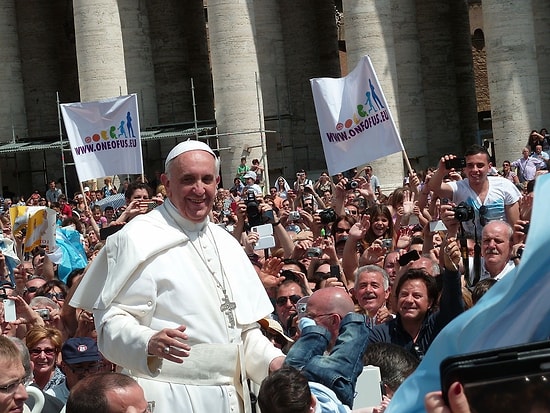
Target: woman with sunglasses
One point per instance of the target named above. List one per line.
(44, 344)
(54, 290)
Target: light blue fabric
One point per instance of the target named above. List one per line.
(515, 310)
(11, 259)
(327, 402)
(73, 254)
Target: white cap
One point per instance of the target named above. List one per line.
(86, 189)
(250, 174)
(189, 145)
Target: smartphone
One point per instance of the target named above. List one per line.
(9, 310)
(455, 163)
(412, 255)
(266, 236)
(150, 205)
(510, 379)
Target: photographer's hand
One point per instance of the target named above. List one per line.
(447, 215)
(457, 399)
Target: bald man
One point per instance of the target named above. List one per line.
(331, 325)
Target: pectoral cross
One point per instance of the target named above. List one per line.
(227, 308)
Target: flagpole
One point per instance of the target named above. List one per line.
(406, 159)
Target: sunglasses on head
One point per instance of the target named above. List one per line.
(282, 300)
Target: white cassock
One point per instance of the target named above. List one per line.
(162, 271)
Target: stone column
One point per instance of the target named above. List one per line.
(238, 99)
(369, 31)
(138, 59)
(100, 51)
(513, 82)
(541, 13)
(12, 109)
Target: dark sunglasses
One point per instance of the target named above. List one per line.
(38, 351)
(31, 289)
(282, 300)
(482, 213)
(341, 230)
(58, 296)
(319, 276)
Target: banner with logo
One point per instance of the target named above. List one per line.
(104, 136)
(354, 119)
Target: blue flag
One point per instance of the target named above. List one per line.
(516, 310)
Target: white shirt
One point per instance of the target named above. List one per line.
(501, 193)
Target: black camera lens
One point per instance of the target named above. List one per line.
(464, 212)
(352, 185)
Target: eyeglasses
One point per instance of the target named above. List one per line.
(57, 296)
(482, 212)
(86, 369)
(341, 230)
(12, 387)
(319, 276)
(282, 300)
(150, 407)
(38, 351)
(314, 317)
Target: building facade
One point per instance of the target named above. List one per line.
(245, 66)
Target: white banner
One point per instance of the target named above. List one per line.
(104, 136)
(354, 119)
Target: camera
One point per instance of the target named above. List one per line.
(327, 216)
(293, 216)
(353, 184)
(386, 242)
(464, 212)
(314, 252)
(252, 209)
(44, 313)
(526, 228)
(455, 163)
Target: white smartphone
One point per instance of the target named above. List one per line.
(266, 236)
(9, 310)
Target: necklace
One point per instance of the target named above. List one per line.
(227, 306)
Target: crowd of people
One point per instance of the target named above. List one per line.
(185, 291)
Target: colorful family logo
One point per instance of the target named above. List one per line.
(368, 114)
(124, 130)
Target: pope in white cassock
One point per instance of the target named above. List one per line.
(176, 300)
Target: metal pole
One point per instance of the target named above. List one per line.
(195, 110)
(262, 137)
(61, 143)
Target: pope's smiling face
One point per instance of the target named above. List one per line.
(191, 184)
